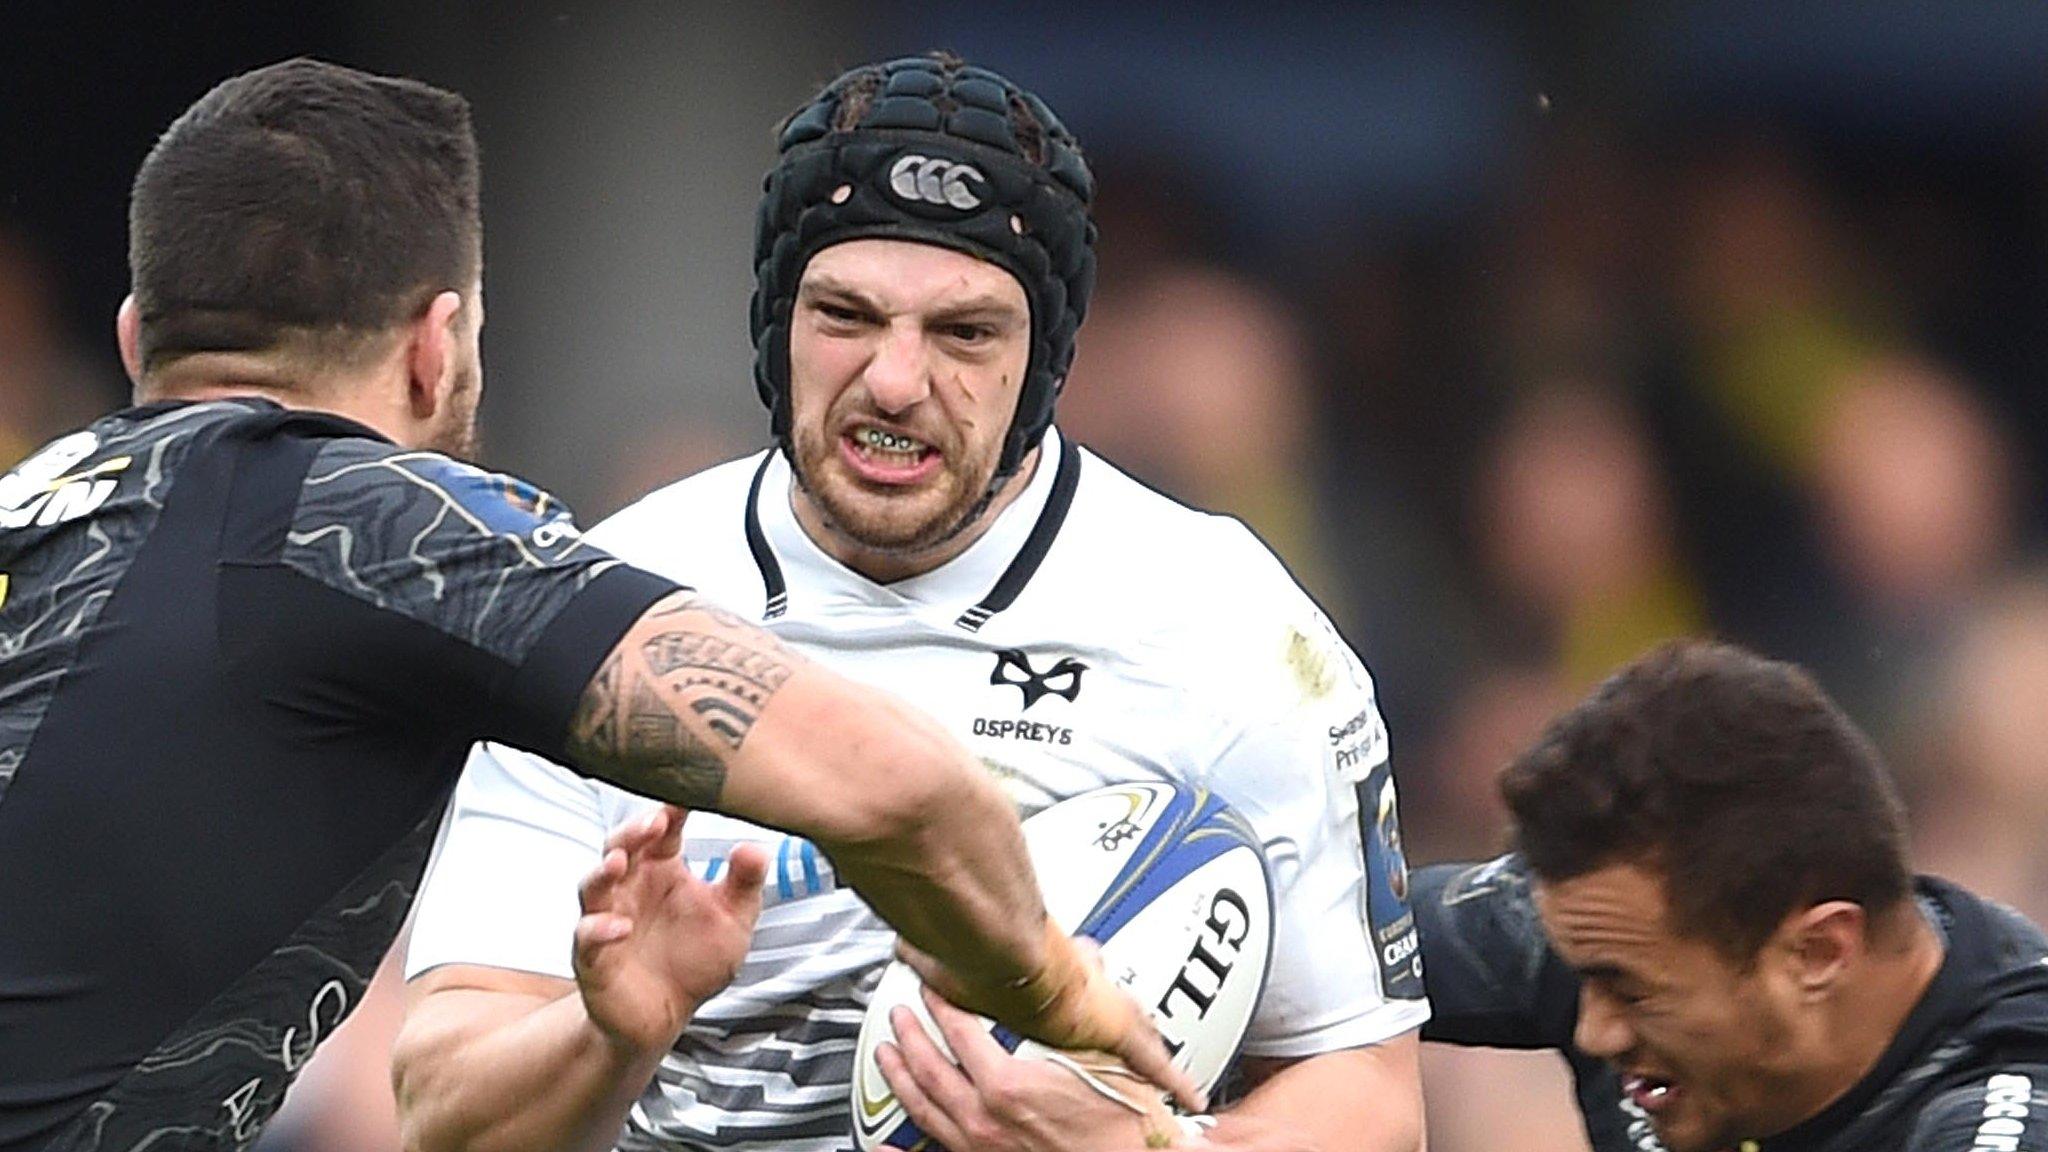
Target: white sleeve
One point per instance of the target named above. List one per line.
(1311, 760)
(500, 890)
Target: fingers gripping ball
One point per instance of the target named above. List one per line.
(1173, 884)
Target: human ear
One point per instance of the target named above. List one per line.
(1822, 944)
(128, 338)
(431, 352)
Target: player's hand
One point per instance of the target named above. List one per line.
(656, 941)
(1072, 1003)
(992, 1101)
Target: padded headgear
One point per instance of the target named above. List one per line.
(934, 157)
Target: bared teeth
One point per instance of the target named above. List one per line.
(871, 440)
(1646, 1087)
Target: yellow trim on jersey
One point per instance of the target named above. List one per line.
(114, 465)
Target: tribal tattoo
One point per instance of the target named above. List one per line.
(676, 700)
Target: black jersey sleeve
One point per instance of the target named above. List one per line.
(1493, 979)
(503, 612)
(2004, 1109)
(1495, 982)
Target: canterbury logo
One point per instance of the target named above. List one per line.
(1014, 668)
(936, 181)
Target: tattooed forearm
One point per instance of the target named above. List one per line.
(703, 659)
(675, 699)
(596, 723)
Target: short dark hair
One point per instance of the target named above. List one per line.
(303, 198)
(1733, 777)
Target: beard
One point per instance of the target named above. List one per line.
(894, 523)
(458, 434)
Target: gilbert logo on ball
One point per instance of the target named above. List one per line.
(936, 180)
(1173, 884)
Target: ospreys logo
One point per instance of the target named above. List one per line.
(936, 180)
(1014, 668)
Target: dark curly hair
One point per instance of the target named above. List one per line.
(1733, 777)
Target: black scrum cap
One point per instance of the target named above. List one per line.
(935, 157)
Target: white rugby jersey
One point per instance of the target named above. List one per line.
(1098, 632)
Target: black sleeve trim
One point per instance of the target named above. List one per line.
(542, 695)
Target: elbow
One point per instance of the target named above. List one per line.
(420, 1130)
(413, 1086)
(414, 1134)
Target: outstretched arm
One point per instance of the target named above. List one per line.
(492, 1059)
(700, 708)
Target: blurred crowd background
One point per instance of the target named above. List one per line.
(1529, 333)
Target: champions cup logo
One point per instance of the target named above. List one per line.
(1388, 823)
(936, 181)
(1115, 832)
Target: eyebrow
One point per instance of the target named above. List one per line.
(826, 286)
(1603, 971)
(986, 306)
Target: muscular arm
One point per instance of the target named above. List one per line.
(699, 708)
(496, 1060)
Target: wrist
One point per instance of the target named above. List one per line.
(628, 1048)
(1171, 1130)
(1075, 999)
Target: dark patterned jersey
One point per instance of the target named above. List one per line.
(243, 651)
(1967, 1071)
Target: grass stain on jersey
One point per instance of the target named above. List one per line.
(1310, 664)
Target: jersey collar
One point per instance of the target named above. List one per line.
(977, 584)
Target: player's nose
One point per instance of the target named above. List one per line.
(1603, 1029)
(899, 374)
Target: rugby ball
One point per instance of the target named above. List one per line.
(1173, 885)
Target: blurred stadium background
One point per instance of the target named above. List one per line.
(1530, 333)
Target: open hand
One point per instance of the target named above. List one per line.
(655, 941)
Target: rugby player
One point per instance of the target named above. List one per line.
(250, 626)
(923, 260)
(1712, 917)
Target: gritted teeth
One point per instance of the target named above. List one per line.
(877, 440)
